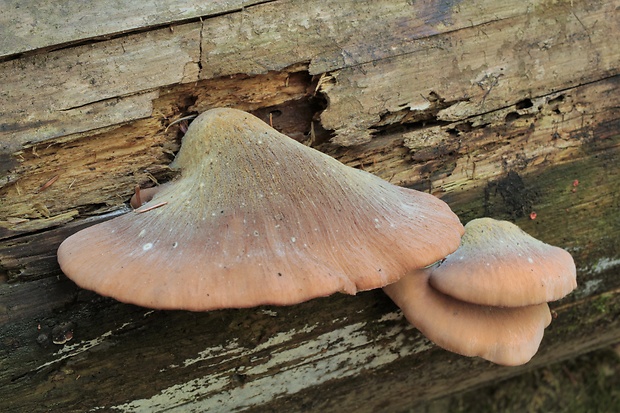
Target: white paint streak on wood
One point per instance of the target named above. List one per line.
(604, 264)
(231, 349)
(73, 350)
(288, 368)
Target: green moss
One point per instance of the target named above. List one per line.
(600, 303)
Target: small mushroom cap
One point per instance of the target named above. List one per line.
(507, 336)
(258, 218)
(498, 264)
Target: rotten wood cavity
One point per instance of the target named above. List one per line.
(501, 109)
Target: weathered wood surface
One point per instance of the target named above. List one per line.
(500, 109)
(28, 26)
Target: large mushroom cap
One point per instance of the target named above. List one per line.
(258, 218)
(508, 336)
(498, 264)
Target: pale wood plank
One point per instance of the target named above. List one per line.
(86, 87)
(93, 116)
(35, 88)
(335, 34)
(469, 72)
(77, 89)
(34, 24)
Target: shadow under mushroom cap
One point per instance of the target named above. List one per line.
(258, 218)
(503, 335)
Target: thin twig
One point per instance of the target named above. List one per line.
(48, 184)
(179, 120)
(140, 211)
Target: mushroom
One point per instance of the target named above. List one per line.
(507, 336)
(498, 264)
(258, 218)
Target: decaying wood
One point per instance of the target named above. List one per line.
(500, 109)
(62, 88)
(265, 359)
(128, 155)
(528, 137)
(535, 57)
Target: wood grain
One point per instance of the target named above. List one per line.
(92, 86)
(30, 25)
(501, 109)
(468, 73)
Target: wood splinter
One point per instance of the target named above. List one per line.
(150, 208)
(48, 184)
(179, 121)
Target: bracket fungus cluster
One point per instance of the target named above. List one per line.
(258, 218)
(488, 298)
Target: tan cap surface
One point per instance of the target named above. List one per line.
(258, 218)
(498, 264)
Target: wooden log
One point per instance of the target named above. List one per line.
(261, 359)
(102, 77)
(495, 72)
(92, 86)
(502, 146)
(100, 171)
(27, 26)
(288, 355)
